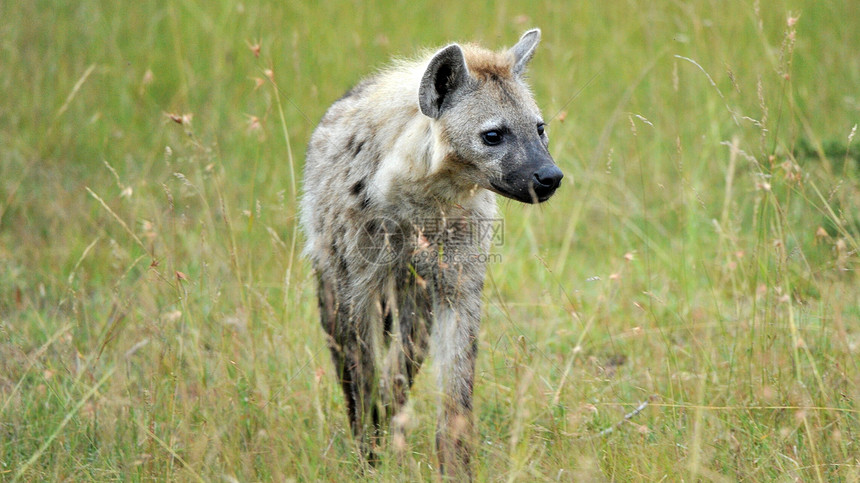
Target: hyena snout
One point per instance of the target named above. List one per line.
(532, 176)
(546, 179)
(532, 183)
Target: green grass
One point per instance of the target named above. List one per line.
(158, 323)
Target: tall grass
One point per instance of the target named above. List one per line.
(686, 309)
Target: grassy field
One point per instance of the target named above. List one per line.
(697, 271)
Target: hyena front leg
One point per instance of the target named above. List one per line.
(351, 347)
(455, 346)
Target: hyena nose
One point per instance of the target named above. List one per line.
(547, 179)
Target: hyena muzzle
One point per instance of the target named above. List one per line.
(397, 207)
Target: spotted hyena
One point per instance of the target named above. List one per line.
(399, 190)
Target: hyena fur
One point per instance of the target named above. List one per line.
(398, 191)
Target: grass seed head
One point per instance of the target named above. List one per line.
(254, 47)
(182, 119)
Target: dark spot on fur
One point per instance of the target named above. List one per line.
(466, 397)
(371, 227)
(365, 202)
(343, 266)
(357, 188)
(353, 146)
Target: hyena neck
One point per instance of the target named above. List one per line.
(422, 184)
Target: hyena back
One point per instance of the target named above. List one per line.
(398, 193)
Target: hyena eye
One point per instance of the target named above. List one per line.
(492, 138)
(541, 127)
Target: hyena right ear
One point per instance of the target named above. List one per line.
(446, 73)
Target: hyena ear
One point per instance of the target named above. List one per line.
(524, 50)
(446, 73)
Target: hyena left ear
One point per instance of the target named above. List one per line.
(445, 73)
(524, 50)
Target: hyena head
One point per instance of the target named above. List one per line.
(489, 121)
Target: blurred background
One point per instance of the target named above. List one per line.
(698, 265)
